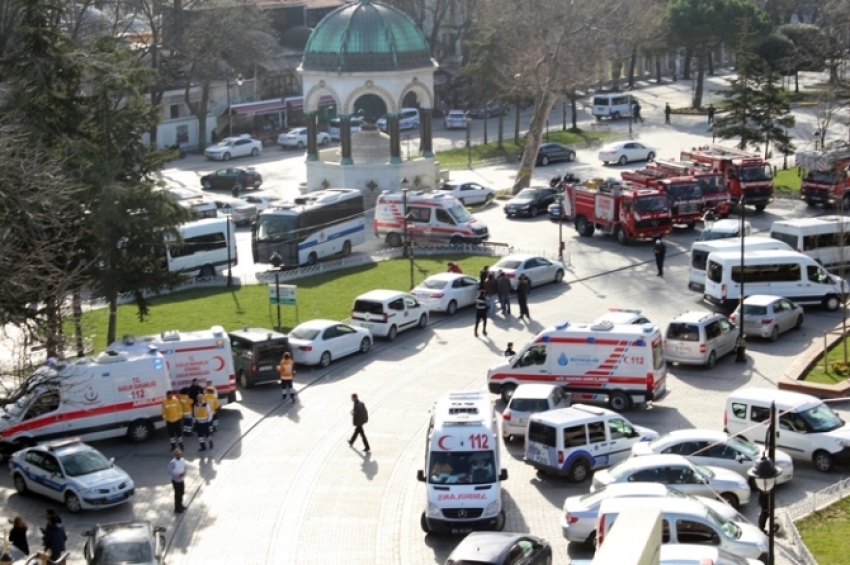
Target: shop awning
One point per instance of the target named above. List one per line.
(297, 102)
(258, 108)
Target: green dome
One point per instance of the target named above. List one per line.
(364, 37)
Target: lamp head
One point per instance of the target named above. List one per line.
(276, 260)
(764, 473)
(240, 80)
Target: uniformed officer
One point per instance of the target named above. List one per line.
(172, 413)
(203, 417)
(211, 398)
(186, 403)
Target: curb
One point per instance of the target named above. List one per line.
(793, 378)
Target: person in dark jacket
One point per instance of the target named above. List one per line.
(18, 534)
(359, 417)
(481, 309)
(482, 277)
(195, 390)
(522, 288)
(667, 112)
(503, 287)
(660, 253)
(54, 538)
(491, 290)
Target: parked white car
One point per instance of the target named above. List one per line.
(297, 137)
(446, 292)
(318, 342)
(539, 270)
(239, 211)
(715, 449)
(468, 192)
(232, 147)
(767, 316)
(679, 473)
(261, 201)
(622, 152)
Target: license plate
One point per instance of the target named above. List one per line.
(367, 326)
(112, 497)
(266, 367)
(461, 530)
(522, 421)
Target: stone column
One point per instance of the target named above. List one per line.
(425, 133)
(312, 128)
(345, 139)
(395, 138)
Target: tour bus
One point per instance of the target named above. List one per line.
(316, 225)
(824, 239)
(778, 273)
(204, 249)
(701, 249)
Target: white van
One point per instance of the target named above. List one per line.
(204, 355)
(574, 441)
(335, 127)
(725, 229)
(699, 338)
(407, 119)
(111, 395)
(701, 249)
(826, 239)
(778, 273)
(530, 399)
(686, 520)
(386, 312)
(205, 248)
(462, 466)
(807, 428)
(433, 218)
(621, 362)
(614, 105)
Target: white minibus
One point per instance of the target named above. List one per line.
(778, 273)
(204, 249)
(701, 249)
(615, 105)
(824, 239)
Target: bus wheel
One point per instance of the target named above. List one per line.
(206, 272)
(312, 259)
(346, 248)
(393, 240)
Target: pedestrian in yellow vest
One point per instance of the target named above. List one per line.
(186, 403)
(203, 416)
(172, 413)
(211, 398)
(287, 373)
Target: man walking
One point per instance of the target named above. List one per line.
(503, 287)
(172, 413)
(710, 114)
(177, 470)
(667, 112)
(359, 417)
(482, 276)
(522, 288)
(660, 253)
(481, 309)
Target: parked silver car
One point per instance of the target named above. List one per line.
(768, 316)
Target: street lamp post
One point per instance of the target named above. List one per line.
(408, 248)
(764, 473)
(468, 140)
(631, 114)
(741, 344)
(564, 108)
(561, 226)
(277, 262)
(239, 82)
(229, 238)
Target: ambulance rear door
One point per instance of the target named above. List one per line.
(206, 357)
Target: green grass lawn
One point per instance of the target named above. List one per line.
(836, 370)
(826, 533)
(322, 296)
(787, 182)
(458, 157)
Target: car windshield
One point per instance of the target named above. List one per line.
(754, 310)
(729, 529)
(743, 446)
(84, 463)
(754, 174)
(527, 194)
(462, 467)
(460, 214)
(433, 284)
(125, 552)
(506, 264)
(594, 498)
(307, 334)
(821, 418)
(651, 204)
(275, 227)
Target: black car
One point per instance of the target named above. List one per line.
(531, 201)
(551, 152)
(256, 355)
(124, 542)
(226, 179)
(501, 548)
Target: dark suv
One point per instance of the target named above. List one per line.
(226, 179)
(256, 355)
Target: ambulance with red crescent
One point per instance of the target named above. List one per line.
(431, 218)
(623, 363)
(204, 355)
(463, 471)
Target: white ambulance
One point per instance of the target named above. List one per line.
(432, 218)
(462, 466)
(111, 395)
(204, 355)
(621, 362)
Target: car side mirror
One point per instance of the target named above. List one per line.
(420, 476)
(503, 476)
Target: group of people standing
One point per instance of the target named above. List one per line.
(190, 410)
(53, 535)
(494, 285)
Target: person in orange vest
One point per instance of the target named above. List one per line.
(287, 373)
(203, 416)
(211, 398)
(186, 403)
(172, 413)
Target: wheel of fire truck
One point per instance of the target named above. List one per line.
(621, 236)
(811, 203)
(583, 227)
(619, 401)
(507, 392)
(760, 207)
(393, 240)
(691, 225)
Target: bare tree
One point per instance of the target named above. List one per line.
(453, 18)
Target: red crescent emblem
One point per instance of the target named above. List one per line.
(440, 443)
(220, 362)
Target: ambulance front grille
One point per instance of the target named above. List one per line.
(462, 513)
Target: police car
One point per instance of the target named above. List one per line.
(71, 472)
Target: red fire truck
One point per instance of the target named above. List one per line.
(613, 208)
(683, 192)
(827, 181)
(748, 177)
(715, 195)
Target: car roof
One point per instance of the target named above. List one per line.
(577, 413)
(785, 399)
(518, 257)
(318, 324)
(123, 532)
(446, 276)
(695, 317)
(727, 225)
(703, 434)
(761, 299)
(664, 503)
(381, 294)
(615, 145)
(257, 334)
(655, 460)
(64, 447)
(484, 546)
(636, 489)
(529, 390)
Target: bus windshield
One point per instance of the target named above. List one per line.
(274, 227)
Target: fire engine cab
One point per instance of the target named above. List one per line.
(684, 195)
(624, 212)
(748, 177)
(715, 195)
(827, 181)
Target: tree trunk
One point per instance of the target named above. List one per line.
(486, 119)
(796, 81)
(632, 64)
(711, 62)
(686, 67)
(501, 128)
(616, 74)
(697, 102)
(542, 107)
(516, 123)
(657, 69)
(574, 109)
(200, 109)
(112, 323)
(53, 336)
(77, 313)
